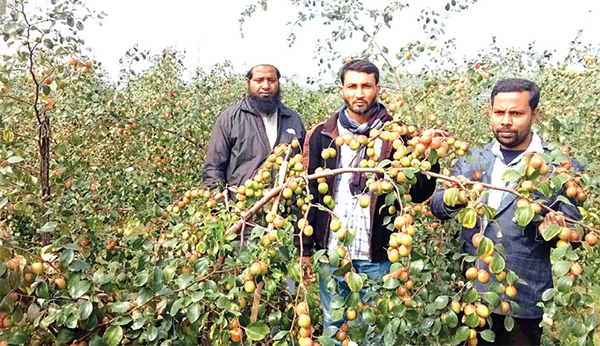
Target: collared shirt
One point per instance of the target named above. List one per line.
(346, 208)
(495, 197)
(270, 122)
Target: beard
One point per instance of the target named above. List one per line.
(266, 105)
(513, 140)
(361, 110)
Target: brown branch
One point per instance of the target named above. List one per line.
(17, 99)
(256, 302)
(512, 191)
(31, 49)
(372, 38)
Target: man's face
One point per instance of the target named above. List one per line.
(264, 83)
(359, 91)
(511, 119)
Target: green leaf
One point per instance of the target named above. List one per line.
(416, 266)
(257, 331)
(462, 333)
(498, 264)
(549, 294)
(391, 283)
(564, 284)
(565, 200)
(66, 257)
(451, 197)
(193, 312)
(511, 175)
(120, 307)
(79, 288)
(79, 265)
(48, 43)
(280, 335)
(488, 335)
(470, 296)
(524, 215)
(355, 282)
(294, 271)
(509, 323)
(100, 277)
(18, 337)
(49, 226)
(467, 217)
(85, 310)
(152, 332)
(113, 336)
(42, 290)
(511, 277)
(485, 248)
(550, 232)
(591, 322)
(441, 302)
(544, 188)
(451, 319)
(561, 268)
(492, 298)
(14, 159)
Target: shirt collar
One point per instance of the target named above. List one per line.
(534, 147)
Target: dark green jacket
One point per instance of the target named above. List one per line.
(239, 143)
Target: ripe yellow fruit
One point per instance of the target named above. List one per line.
(511, 291)
(471, 273)
(335, 225)
(455, 305)
(304, 320)
(364, 201)
(482, 311)
(249, 286)
(37, 268)
(483, 276)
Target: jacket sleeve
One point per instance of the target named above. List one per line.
(310, 156)
(425, 186)
(219, 151)
(438, 208)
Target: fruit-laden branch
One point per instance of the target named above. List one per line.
(509, 190)
(277, 190)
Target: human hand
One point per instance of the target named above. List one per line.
(450, 184)
(308, 274)
(552, 218)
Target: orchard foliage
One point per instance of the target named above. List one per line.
(109, 238)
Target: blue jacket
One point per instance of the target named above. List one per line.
(528, 254)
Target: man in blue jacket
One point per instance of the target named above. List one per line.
(513, 110)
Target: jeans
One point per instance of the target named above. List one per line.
(373, 270)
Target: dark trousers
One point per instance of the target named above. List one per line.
(526, 332)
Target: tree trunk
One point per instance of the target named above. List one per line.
(44, 147)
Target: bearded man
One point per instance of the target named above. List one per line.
(245, 133)
(361, 113)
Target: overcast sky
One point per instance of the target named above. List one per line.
(208, 31)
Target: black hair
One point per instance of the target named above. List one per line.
(250, 73)
(359, 65)
(518, 85)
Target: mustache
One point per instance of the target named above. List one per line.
(505, 129)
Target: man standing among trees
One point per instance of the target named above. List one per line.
(361, 113)
(514, 107)
(245, 133)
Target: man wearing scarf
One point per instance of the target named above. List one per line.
(361, 113)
